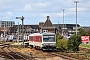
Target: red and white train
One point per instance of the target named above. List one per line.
(44, 41)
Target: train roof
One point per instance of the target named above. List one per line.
(48, 33)
(44, 33)
(34, 34)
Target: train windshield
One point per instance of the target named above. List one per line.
(48, 38)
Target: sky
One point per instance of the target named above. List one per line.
(35, 11)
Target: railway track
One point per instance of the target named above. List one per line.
(62, 56)
(9, 54)
(53, 54)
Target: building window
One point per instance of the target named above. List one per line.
(45, 30)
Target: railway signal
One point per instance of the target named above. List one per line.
(22, 19)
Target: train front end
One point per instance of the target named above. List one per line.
(49, 41)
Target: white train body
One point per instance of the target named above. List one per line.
(44, 41)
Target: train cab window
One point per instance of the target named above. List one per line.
(48, 38)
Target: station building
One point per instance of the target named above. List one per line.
(46, 26)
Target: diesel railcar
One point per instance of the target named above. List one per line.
(44, 41)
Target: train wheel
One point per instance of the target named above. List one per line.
(35, 47)
(31, 46)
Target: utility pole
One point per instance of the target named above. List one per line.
(18, 34)
(76, 14)
(4, 32)
(58, 27)
(63, 23)
(22, 31)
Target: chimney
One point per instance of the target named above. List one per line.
(48, 18)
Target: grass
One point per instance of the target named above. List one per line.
(81, 55)
(85, 45)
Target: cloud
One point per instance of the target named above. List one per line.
(83, 9)
(72, 11)
(84, 23)
(56, 15)
(69, 13)
(35, 7)
(78, 9)
(41, 5)
(37, 10)
(7, 15)
(27, 7)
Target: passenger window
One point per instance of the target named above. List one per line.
(31, 38)
(37, 38)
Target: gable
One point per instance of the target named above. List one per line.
(48, 23)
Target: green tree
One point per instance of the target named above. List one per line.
(82, 32)
(62, 44)
(74, 42)
(58, 36)
(88, 32)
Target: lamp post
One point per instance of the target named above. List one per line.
(76, 14)
(63, 23)
(22, 19)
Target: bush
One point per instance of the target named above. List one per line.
(73, 43)
(62, 44)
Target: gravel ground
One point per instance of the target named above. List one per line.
(50, 58)
(38, 55)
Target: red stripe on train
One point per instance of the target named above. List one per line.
(35, 38)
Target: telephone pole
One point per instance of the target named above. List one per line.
(63, 23)
(76, 14)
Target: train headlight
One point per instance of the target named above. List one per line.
(43, 44)
(52, 44)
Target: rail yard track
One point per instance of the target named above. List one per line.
(62, 56)
(55, 54)
(7, 53)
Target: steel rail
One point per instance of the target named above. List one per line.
(17, 53)
(11, 53)
(8, 53)
(62, 56)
